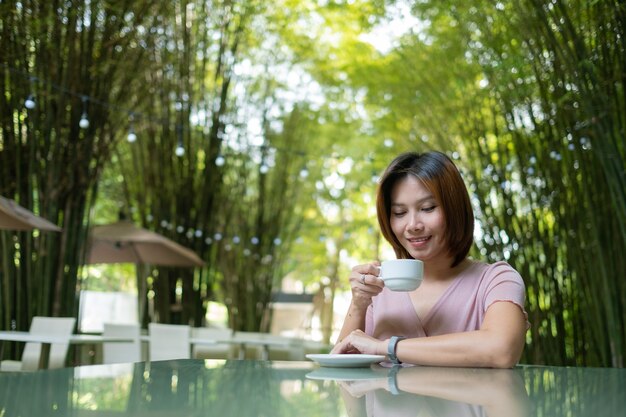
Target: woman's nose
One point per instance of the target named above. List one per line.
(415, 222)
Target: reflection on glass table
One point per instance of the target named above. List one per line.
(348, 374)
(457, 392)
(441, 392)
(167, 388)
(304, 389)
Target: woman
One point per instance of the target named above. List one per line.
(464, 313)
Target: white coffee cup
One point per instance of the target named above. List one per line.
(402, 274)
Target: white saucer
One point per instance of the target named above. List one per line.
(347, 374)
(345, 360)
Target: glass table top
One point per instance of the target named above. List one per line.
(302, 389)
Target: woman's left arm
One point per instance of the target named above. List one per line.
(497, 344)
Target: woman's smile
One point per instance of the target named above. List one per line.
(418, 242)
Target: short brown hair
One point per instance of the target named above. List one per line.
(442, 178)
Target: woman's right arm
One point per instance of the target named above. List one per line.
(363, 289)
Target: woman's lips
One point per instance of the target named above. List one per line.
(417, 242)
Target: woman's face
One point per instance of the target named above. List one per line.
(417, 220)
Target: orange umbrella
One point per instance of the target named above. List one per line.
(123, 242)
(15, 217)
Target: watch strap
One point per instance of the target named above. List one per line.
(391, 348)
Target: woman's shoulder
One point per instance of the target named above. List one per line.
(489, 271)
(498, 266)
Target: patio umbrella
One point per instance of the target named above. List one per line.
(15, 217)
(123, 242)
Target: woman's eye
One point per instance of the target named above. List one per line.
(399, 213)
(429, 209)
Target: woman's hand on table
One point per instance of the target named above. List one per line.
(359, 342)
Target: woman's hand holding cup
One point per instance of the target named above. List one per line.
(365, 283)
(368, 280)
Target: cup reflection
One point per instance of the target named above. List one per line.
(441, 392)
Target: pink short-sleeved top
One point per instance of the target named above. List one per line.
(461, 308)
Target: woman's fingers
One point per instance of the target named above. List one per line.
(364, 276)
(351, 343)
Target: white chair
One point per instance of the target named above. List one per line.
(169, 341)
(46, 326)
(121, 352)
(210, 350)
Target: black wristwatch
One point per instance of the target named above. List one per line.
(391, 348)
